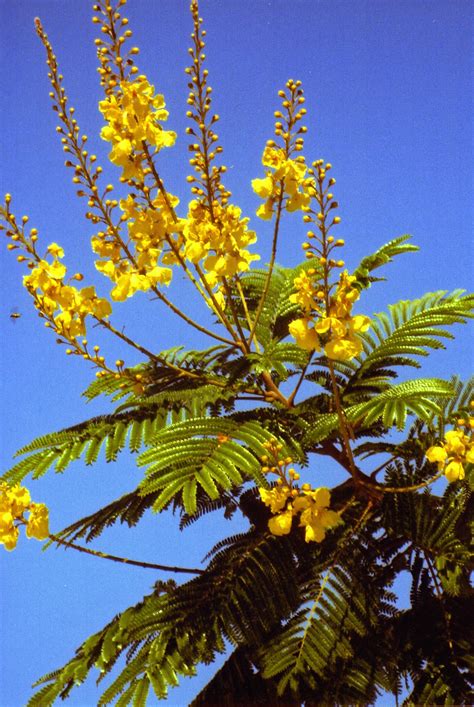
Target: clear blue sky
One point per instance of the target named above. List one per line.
(389, 98)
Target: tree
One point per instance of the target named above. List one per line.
(293, 376)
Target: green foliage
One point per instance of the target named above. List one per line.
(313, 624)
(217, 430)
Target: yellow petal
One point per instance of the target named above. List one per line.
(263, 187)
(281, 524)
(470, 456)
(10, 538)
(314, 533)
(436, 454)
(342, 349)
(321, 497)
(360, 323)
(454, 471)
(306, 338)
(37, 526)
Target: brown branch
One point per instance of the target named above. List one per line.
(124, 560)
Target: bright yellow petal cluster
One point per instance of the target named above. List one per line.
(220, 241)
(307, 295)
(276, 498)
(134, 115)
(302, 330)
(14, 502)
(339, 328)
(452, 454)
(283, 174)
(311, 504)
(66, 304)
(150, 245)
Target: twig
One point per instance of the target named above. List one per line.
(125, 560)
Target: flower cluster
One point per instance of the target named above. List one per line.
(14, 502)
(285, 180)
(150, 248)
(219, 239)
(335, 329)
(134, 115)
(284, 177)
(65, 306)
(286, 500)
(456, 450)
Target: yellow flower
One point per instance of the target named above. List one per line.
(455, 442)
(273, 157)
(298, 201)
(281, 524)
(305, 294)
(332, 324)
(265, 211)
(263, 187)
(55, 250)
(37, 526)
(9, 537)
(305, 337)
(314, 533)
(316, 518)
(359, 323)
(437, 454)
(276, 498)
(454, 471)
(6, 521)
(342, 349)
(19, 499)
(120, 152)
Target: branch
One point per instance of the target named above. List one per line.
(124, 560)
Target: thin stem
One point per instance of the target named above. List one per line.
(270, 266)
(355, 472)
(234, 313)
(189, 321)
(293, 394)
(405, 489)
(124, 560)
(107, 325)
(246, 309)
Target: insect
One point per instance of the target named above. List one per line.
(15, 314)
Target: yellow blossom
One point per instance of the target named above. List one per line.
(437, 454)
(316, 518)
(281, 524)
(343, 349)
(134, 115)
(263, 187)
(276, 498)
(454, 471)
(55, 250)
(455, 442)
(306, 293)
(305, 336)
(456, 450)
(265, 211)
(19, 499)
(9, 537)
(14, 501)
(38, 526)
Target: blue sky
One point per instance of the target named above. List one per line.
(389, 98)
